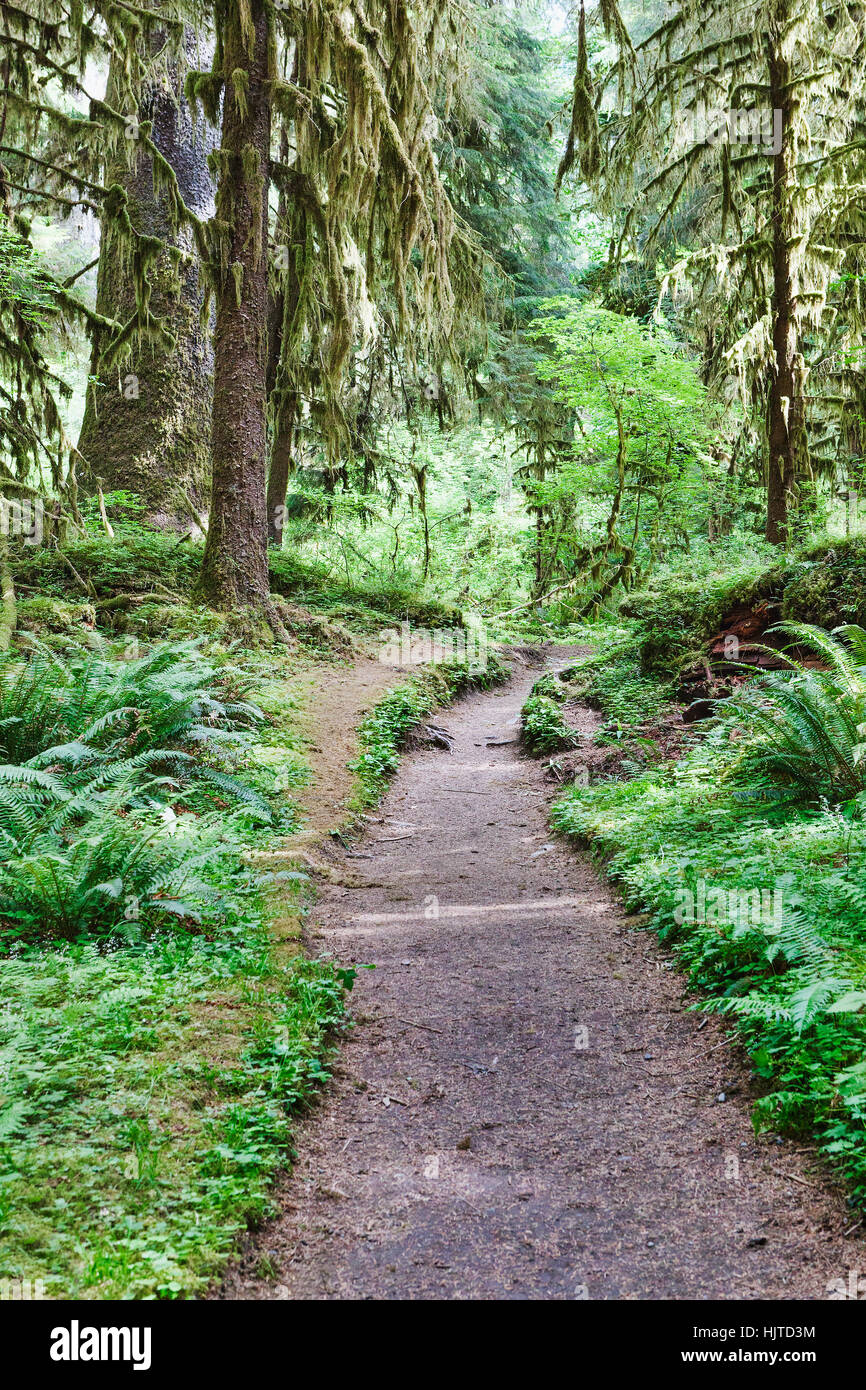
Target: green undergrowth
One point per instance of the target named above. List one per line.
(159, 1026)
(686, 604)
(141, 582)
(611, 680)
(157, 1032)
(761, 895)
(148, 1095)
(542, 725)
(824, 583)
(383, 732)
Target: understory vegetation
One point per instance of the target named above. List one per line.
(154, 1040)
(330, 331)
(748, 853)
(160, 1023)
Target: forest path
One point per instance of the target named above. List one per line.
(470, 1146)
(332, 701)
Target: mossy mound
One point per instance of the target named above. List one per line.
(826, 584)
(55, 616)
(680, 614)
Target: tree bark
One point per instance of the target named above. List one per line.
(785, 406)
(147, 428)
(283, 399)
(235, 565)
(282, 463)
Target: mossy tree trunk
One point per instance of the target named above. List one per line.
(283, 398)
(785, 406)
(147, 427)
(235, 565)
(282, 464)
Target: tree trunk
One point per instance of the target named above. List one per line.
(785, 408)
(235, 566)
(147, 428)
(283, 399)
(280, 470)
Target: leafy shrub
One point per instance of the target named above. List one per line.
(551, 686)
(542, 726)
(722, 828)
(805, 729)
(85, 821)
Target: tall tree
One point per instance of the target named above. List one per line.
(375, 243)
(235, 566)
(496, 154)
(147, 421)
(60, 142)
(365, 243)
(744, 111)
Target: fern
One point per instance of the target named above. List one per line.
(120, 865)
(801, 730)
(100, 722)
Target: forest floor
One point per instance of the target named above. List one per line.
(332, 702)
(526, 1106)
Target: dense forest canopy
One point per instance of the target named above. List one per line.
(260, 265)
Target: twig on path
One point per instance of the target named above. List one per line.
(412, 1024)
(792, 1177)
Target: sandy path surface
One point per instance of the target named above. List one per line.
(525, 1108)
(333, 701)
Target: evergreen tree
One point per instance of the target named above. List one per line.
(147, 423)
(354, 91)
(747, 113)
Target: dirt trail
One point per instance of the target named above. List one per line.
(525, 1108)
(333, 701)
